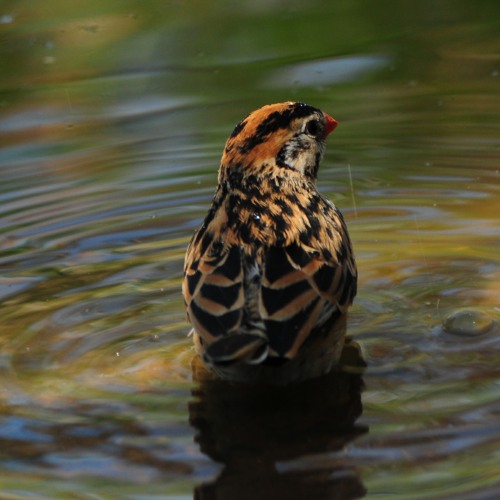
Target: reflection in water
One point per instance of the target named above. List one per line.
(112, 120)
(251, 429)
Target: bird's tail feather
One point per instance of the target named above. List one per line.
(247, 347)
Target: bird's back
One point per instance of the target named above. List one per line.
(269, 276)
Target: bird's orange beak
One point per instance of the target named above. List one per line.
(331, 123)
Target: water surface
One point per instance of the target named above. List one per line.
(112, 120)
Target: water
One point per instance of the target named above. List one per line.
(112, 120)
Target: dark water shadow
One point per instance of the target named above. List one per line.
(252, 429)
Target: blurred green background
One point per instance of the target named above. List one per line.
(113, 115)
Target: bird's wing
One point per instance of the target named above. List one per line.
(214, 292)
(213, 289)
(302, 288)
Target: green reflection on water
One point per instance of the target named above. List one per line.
(112, 119)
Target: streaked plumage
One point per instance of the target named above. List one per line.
(269, 275)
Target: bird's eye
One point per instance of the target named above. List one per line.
(312, 128)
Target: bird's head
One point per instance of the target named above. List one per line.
(288, 135)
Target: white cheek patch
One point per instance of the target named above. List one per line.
(302, 153)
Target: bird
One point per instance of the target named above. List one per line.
(270, 273)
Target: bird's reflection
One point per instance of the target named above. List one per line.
(254, 430)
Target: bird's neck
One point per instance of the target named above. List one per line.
(262, 178)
